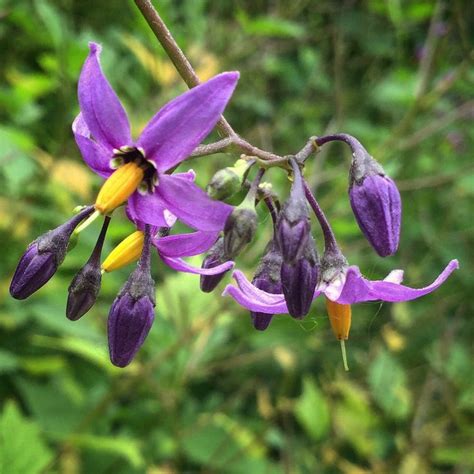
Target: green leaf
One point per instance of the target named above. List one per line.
(389, 386)
(8, 362)
(312, 410)
(22, 449)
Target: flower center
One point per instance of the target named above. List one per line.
(132, 172)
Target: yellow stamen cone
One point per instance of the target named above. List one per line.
(127, 251)
(119, 187)
(340, 316)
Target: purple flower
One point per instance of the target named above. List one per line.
(102, 133)
(348, 287)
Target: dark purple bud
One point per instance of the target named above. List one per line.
(293, 226)
(299, 281)
(132, 313)
(239, 230)
(43, 257)
(376, 204)
(214, 257)
(85, 286)
(267, 278)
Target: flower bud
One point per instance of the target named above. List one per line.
(376, 204)
(83, 290)
(132, 313)
(227, 181)
(293, 226)
(85, 286)
(214, 257)
(299, 281)
(43, 257)
(267, 278)
(239, 229)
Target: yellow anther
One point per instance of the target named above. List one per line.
(127, 251)
(119, 187)
(340, 316)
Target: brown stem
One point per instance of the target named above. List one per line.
(174, 52)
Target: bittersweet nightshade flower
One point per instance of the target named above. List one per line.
(85, 287)
(132, 313)
(299, 280)
(137, 170)
(267, 278)
(293, 226)
(43, 257)
(375, 201)
(349, 288)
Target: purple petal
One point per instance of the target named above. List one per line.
(386, 291)
(191, 204)
(149, 209)
(96, 156)
(254, 299)
(186, 245)
(358, 289)
(174, 132)
(100, 106)
(181, 266)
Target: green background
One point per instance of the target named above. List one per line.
(207, 393)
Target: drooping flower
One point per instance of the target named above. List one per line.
(137, 170)
(347, 288)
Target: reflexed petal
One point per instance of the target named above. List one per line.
(255, 293)
(180, 265)
(386, 291)
(191, 204)
(395, 276)
(100, 106)
(96, 156)
(255, 305)
(186, 245)
(182, 124)
(356, 287)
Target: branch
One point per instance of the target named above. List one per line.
(174, 52)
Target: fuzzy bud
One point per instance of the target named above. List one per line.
(376, 204)
(214, 257)
(239, 229)
(132, 313)
(227, 181)
(299, 281)
(267, 278)
(293, 226)
(43, 257)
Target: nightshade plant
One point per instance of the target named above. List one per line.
(139, 173)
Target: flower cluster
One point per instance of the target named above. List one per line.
(139, 174)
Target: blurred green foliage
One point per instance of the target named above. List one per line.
(207, 393)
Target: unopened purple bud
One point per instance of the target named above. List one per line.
(377, 206)
(299, 281)
(85, 286)
(293, 226)
(83, 290)
(129, 323)
(239, 230)
(132, 313)
(267, 278)
(214, 257)
(43, 257)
